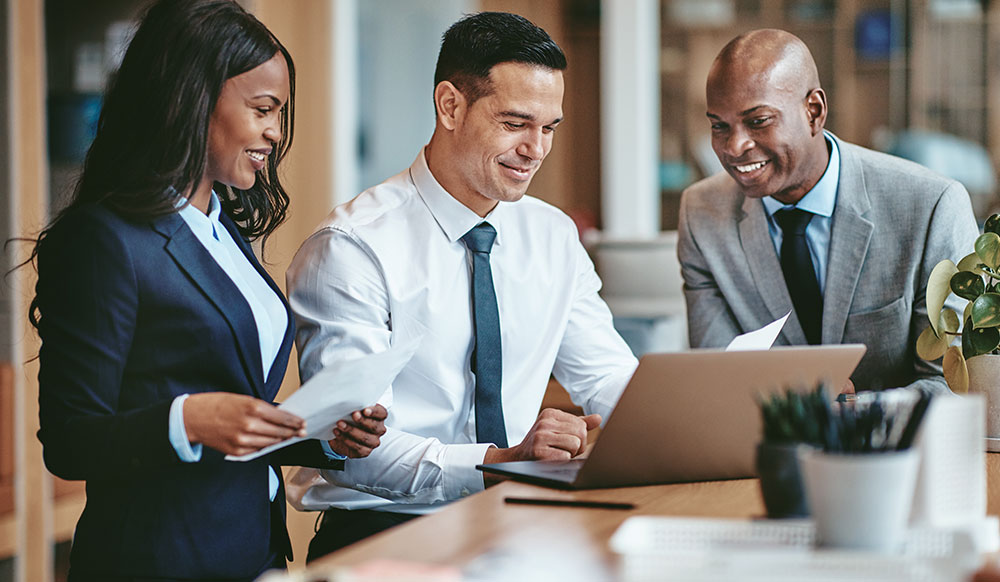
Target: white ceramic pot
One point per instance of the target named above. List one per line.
(984, 378)
(860, 501)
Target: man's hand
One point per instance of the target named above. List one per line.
(555, 436)
(359, 437)
(237, 424)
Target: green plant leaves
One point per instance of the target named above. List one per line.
(968, 262)
(992, 224)
(790, 417)
(971, 262)
(956, 373)
(930, 346)
(967, 285)
(988, 249)
(986, 310)
(978, 341)
(938, 289)
(949, 321)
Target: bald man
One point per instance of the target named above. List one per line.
(794, 196)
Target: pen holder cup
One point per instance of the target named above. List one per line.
(781, 480)
(860, 501)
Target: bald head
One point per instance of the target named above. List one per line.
(770, 56)
(767, 111)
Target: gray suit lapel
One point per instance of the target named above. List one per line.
(765, 268)
(850, 236)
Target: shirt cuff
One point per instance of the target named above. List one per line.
(460, 476)
(330, 453)
(187, 452)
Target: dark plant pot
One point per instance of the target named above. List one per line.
(780, 481)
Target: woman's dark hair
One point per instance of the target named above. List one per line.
(152, 135)
(471, 47)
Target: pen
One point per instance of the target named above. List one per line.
(913, 423)
(568, 503)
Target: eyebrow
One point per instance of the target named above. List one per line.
(526, 116)
(742, 113)
(267, 96)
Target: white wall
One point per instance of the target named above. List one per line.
(398, 47)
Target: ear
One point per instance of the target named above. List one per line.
(450, 104)
(816, 110)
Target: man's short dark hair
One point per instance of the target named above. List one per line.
(476, 43)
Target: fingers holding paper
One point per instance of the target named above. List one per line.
(358, 436)
(237, 424)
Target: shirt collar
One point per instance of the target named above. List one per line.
(202, 224)
(822, 198)
(454, 218)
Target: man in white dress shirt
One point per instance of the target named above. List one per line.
(394, 264)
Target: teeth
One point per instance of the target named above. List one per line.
(257, 156)
(751, 167)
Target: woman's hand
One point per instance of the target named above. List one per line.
(358, 437)
(238, 424)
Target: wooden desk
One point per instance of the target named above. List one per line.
(484, 532)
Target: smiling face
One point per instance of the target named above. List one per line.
(246, 125)
(496, 144)
(767, 127)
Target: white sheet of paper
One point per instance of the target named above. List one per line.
(761, 339)
(338, 390)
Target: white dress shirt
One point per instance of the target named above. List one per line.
(390, 265)
(266, 307)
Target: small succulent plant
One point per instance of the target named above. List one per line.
(793, 416)
(976, 278)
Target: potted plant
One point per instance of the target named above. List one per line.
(860, 484)
(790, 420)
(968, 364)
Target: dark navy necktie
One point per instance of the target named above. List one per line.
(800, 275)
(486, 364)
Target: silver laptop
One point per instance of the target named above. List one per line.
(690, 416)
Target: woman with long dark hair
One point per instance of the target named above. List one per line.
(164, 342)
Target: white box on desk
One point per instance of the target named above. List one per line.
(951, 482)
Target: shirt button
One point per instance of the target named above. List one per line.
(464, 492)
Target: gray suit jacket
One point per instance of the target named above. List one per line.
(893, 221)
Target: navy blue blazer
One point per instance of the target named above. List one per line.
(134, 314)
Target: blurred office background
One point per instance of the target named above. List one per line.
(915, 77)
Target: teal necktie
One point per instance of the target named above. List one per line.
(486, 355)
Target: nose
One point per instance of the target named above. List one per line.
(272, 132)
(737, 143)
(534, 144)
